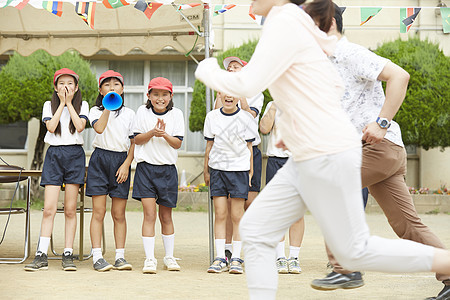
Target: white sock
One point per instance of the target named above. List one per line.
(237, 246)
(43, 244)
(220, 248)
(294, 251)
(96, 254)
(169, 243)
(229, 247)
(70, 250)
(120, 253)
(280, 250)
(149, 246)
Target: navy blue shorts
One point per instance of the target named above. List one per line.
(101, 176)
(229, 183)
(257, 166)
(156, 181)
(273, 165)
(64, 164)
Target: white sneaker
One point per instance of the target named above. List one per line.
(294, 266)
(282, 265)
(170, 263)
(150, 266)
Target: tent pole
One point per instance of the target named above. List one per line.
(207, 28)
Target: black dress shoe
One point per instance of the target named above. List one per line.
(338, 281)
(443, 295)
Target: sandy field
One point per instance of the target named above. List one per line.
(192, 282)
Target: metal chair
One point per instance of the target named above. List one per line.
(18, 210)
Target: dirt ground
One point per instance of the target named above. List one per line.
(193, 282)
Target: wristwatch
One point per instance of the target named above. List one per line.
(383, 123)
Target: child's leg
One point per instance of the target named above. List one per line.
(251, 196)
(167, 229)
(120, 224)
(296, 232)
(48, 216)
(98, 215)
(70, 213)
(220, 221)
(148, 226)
(229, 228)
(237, 211)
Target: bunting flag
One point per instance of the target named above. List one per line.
(86, 10)
(187, 6)
(148, 8)
(342, 9)
(55, 7)
(407, 18)
(368, 13)
(19, 4)
(114, 3)
(445, 14)
(220, 9)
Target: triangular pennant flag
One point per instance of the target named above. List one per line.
(22, 4)
(86, 10)
(342, 9)
(8, 2)
(407, 18)
(368, 13)
(114, 3)
(187, 6)
(148, 8)
(445, 14)
(220, 9)
(55, 7)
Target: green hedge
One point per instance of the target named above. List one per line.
(424, 116)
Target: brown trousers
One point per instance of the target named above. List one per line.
(383, 171)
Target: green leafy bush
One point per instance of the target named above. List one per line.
(27, 82)
(424, 116)
(198, 106)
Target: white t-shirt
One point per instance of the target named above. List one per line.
(230, 133)
(275, 136)
(256, 103)
(66, 138)
(118, 131)
(364, 96)
(291, 60)
(157, 151)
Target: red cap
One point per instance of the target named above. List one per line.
(228, 60)
(109, 74)
(160, 83)
(64, 71)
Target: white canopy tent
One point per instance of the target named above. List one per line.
(117, 30)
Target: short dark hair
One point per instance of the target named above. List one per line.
(298, 2)
(338, 18)
(322, 12)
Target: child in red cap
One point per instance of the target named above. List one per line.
(159, 131)
(65, 118)
(109, 169)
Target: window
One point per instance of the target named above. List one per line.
(14, 135)
(137, 75)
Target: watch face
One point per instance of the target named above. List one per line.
(384, 123)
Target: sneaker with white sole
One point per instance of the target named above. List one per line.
(102, 265)
(67, 262)
(294, 265)
(170, 263)
(236, 266)
(40, 262)
(282, 265)
(121, 264)
(150, 265)
(219, 265)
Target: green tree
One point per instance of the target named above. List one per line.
(27, 82)
(424, 116)
(198, 104)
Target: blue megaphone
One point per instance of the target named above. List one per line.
(112, 101)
